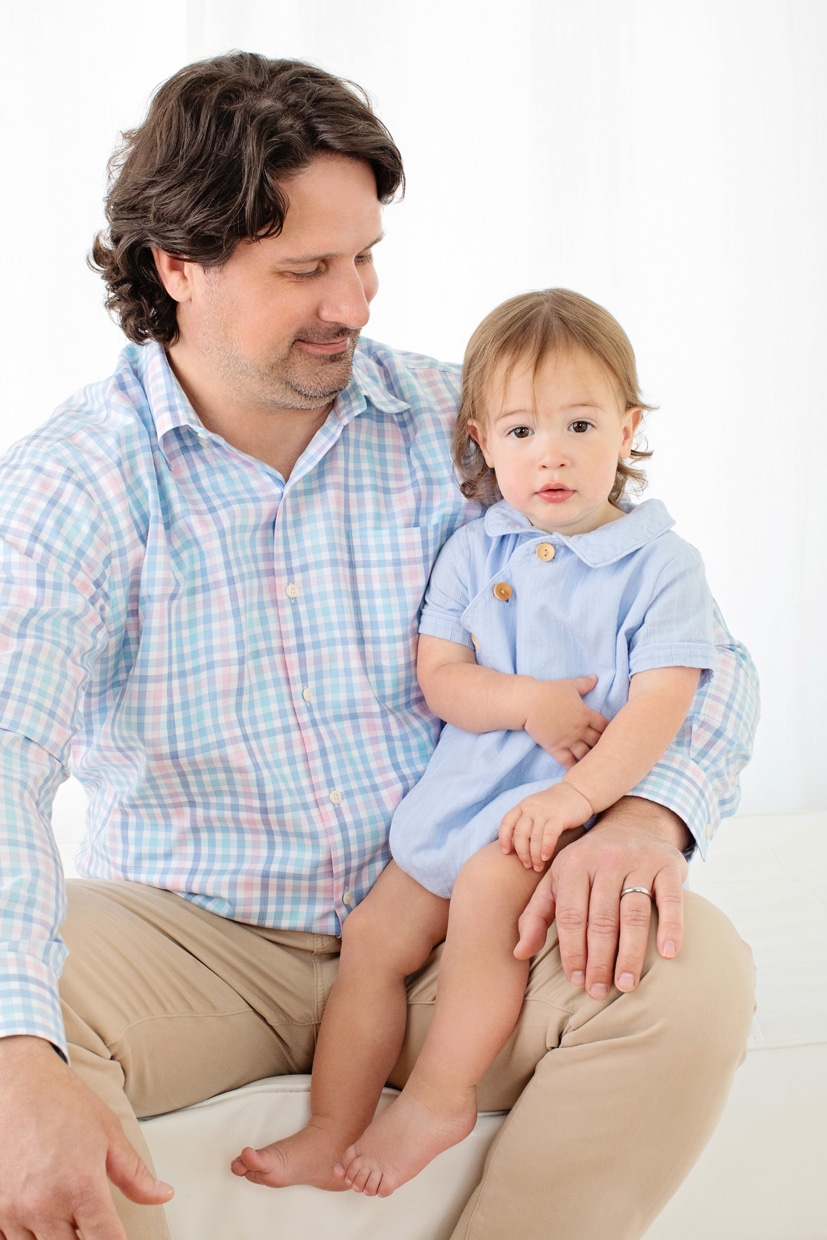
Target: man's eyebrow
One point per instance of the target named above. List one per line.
(315, 258)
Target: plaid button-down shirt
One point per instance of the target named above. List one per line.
(226, 660)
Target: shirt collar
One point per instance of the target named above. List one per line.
(605, 545)
(169, 407)
(367, 387)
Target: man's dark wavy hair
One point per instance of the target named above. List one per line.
(206, 168)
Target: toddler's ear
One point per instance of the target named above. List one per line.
(480, 438)
(631, 421)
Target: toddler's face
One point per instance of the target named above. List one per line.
(554, 438)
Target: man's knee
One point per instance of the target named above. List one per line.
(714, 984)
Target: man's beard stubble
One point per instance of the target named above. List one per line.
(318, 379)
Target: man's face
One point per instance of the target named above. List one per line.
(276, 326)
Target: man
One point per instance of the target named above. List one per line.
(211, 570)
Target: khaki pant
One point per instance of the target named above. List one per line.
(613, 1100)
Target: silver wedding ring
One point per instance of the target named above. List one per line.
(644, 891)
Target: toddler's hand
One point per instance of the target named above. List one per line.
(559, 720)
(532, 828)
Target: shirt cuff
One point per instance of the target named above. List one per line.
(29, 1001)
(682, 787)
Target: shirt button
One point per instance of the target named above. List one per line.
(503, 591)
(336, 797)
(545, 551)
(292, 591)
(307, 694)
(347, 898)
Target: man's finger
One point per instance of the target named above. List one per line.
(535, 920)
(572, 910)
(602, 934)
(635, 920)
(668, 890)
(96, 1219)
(128, 1172)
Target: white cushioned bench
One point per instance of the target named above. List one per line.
(761, 1178)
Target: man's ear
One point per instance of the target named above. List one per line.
(480, 438)
(174, 273)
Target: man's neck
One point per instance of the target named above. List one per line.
(278, 437)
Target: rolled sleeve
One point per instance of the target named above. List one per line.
(698, 777)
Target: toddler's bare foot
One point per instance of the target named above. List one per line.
(405, 1138)
(308, 1157)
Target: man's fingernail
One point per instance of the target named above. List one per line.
(626, 981)
(578, 979)
(598, 991)
(670, 949)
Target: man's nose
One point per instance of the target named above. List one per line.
(347, 298)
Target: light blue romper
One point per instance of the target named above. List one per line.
(625, 598)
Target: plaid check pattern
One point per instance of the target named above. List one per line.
(226, 660)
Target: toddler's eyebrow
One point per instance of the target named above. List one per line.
(521, 412)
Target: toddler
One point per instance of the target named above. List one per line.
(560, 609)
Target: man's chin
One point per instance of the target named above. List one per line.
(325, 381)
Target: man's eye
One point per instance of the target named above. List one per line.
(580, 427)
(520, 432)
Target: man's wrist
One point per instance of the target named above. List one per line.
(662, 822)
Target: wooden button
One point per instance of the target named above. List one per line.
(545, 551)
(503, 591)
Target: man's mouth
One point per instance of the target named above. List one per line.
(327, 347)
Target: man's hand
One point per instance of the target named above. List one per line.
(59, 1146)
(559, 720)
(603, 940)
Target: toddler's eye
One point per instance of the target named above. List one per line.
(580, 427)
(520, 432)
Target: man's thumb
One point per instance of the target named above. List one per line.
(130, 1174)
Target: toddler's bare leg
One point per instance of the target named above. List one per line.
(390, 935)
(480, 994)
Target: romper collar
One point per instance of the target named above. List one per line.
(605, 545)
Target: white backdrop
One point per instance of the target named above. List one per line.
(665, 157)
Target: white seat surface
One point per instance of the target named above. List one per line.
(761, 1178)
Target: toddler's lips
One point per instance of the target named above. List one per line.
(555, 495)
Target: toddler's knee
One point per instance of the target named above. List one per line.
(360, 930)
(489, 879)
